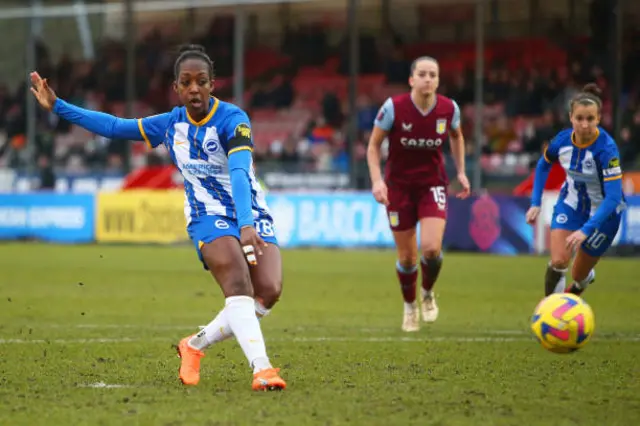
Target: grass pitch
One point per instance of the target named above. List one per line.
(86, 338)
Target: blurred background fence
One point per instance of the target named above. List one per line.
(312, 75)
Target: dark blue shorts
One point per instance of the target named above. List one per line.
(596, 244)
(206, 229)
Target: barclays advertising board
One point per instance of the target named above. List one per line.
(330, 220)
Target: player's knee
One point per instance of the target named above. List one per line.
(560, 261)
(431, 250)
(407, 259)
(270, 297)
(237, 285)
(269, 293)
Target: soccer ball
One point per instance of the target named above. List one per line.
(563, 323)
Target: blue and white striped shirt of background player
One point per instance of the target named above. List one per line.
(591, 198)
(388, 116)
(222, 193)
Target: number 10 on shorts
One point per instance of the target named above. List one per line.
(596, 239)
(439, 196)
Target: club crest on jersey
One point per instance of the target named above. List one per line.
(210, 146)
(441, 126)
(588, 164)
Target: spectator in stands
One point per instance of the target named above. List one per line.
(500, 134)
(535, 96)
(543, 133)
(46, 173)
(396, 66)
(630, 142)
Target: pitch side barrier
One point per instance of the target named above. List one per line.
(489, 224)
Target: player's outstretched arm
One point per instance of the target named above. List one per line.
(97, 122)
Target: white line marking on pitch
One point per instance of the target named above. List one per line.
(103, 385)
(390, 339)
(69, 341)
(191, 327)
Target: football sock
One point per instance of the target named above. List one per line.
(409, 307)
(561, 286)
(219, 329)
(241, 315)
(430, 270)
(407, 278)
(553, 278)
(579, 286)
(214, 332)
(261, 311)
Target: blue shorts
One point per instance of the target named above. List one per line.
(206, 229)
(596, 244)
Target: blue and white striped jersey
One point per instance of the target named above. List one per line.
(200, 151)
(589, 167)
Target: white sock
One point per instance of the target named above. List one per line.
(261, 311)
(409, 307)
(219, 329)
(241, 315)
(214, 332)
(427, 294)
(560, 287)
(585, 283)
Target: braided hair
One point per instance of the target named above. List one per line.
(192, 51)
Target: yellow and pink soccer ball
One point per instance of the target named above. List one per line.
(563, 323)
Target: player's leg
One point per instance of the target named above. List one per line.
(221, 253)
(554, 277)
(590, 252)
(266, 278)
(563, 222)
(582, 272)
(407, 273)
(402, 215)
(431, 235)
(432, 213)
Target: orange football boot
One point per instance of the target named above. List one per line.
(267, 380)
(190, 364)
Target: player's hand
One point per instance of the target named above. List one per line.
(380, 192)
(466, 188)
(575, 240)
(251, 244)
(532, 215)
(44, 94)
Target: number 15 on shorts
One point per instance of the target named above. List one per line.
(439, 196)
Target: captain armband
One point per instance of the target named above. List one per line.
(613, 170)
(241, 139)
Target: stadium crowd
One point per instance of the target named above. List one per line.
(525, 105)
